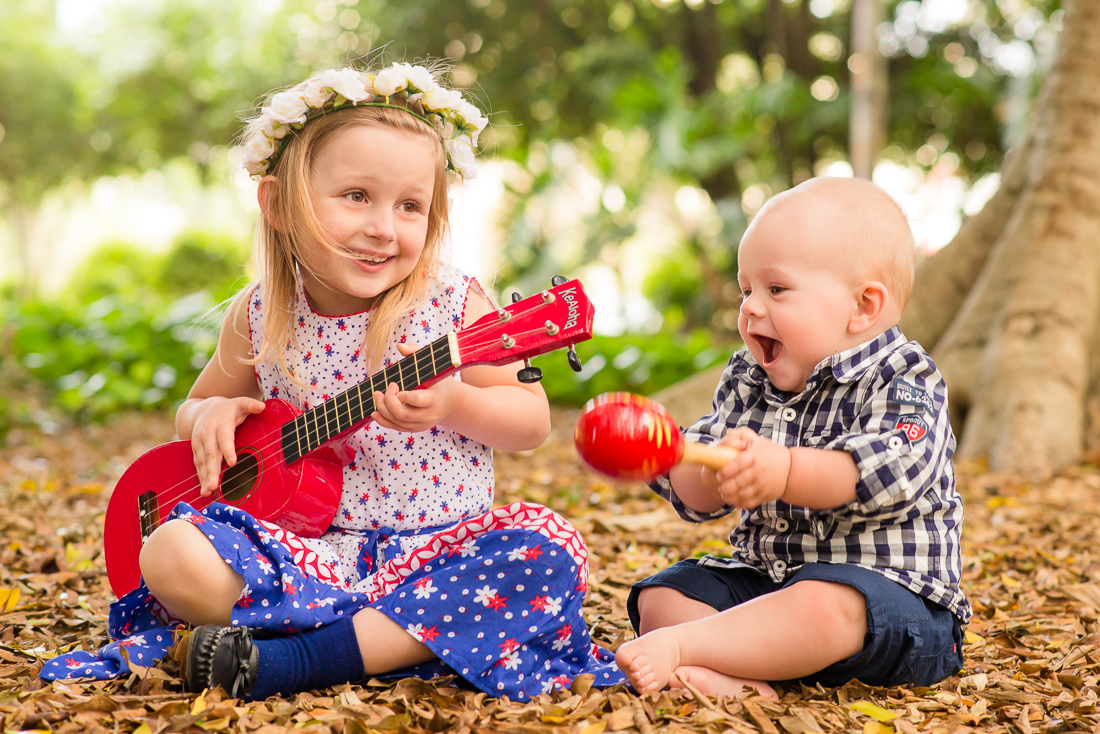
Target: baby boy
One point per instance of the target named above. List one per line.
(846, 561)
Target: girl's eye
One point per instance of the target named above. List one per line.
(357, 196)
(410, 207)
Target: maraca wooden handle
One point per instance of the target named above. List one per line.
(709, 455)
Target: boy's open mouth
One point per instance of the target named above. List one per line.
(771, 348)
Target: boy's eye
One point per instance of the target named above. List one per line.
(745, 293)
(775, 290)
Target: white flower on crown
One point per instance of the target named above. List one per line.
(348, 83)
(459, 123)
(273, 130)
(314, 94)
(472, 115)
(287, 107)
(391, 81)
(461, 152)
(435, 98)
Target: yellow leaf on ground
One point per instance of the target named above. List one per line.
(877, 727)
(973, 638)
(216, 724)
(75, 559)
(596, 728)
(878, 712)
(8, 599)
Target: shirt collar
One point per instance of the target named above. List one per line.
(849, 365)
(846, 366)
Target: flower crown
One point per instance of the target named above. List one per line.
(415, 89)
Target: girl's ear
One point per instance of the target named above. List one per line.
(872, 299)
(266, 195)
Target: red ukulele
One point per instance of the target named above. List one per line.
(289, 468)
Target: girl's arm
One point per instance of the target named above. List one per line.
(224, 394)
(489, 404)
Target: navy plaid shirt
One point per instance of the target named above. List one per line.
(884, 403)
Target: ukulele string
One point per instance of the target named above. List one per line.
(188, 486)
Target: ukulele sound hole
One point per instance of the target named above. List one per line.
(238, 480)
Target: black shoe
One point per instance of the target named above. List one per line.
(221, 656)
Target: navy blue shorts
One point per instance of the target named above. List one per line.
(910, 640)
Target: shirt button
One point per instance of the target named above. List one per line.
(782, 526)
(894, 444)
(788, 414)
(780, 567)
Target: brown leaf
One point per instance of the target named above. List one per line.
(621, 719)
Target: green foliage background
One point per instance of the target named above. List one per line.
(644, 97)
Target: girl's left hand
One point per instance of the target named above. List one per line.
(414, 411)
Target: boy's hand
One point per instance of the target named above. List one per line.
(758, 474)
(212, 437)
(414, 411)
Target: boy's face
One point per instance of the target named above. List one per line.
(796, 303)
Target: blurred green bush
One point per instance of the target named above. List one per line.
(132, 331)
(639, 363)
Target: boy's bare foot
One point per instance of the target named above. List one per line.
(649, 660)
(712, 683)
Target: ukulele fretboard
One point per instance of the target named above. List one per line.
(344, 411)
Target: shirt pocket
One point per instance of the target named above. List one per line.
(820, 439)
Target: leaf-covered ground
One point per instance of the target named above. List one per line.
(1030, 564)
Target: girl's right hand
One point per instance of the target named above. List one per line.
(212, 438)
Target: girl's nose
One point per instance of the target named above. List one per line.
(379, 224)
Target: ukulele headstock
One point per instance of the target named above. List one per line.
(557, 317)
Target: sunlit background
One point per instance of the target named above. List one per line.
(631, 141)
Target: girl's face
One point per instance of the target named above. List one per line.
(372, 188)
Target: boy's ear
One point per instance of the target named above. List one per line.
(266, 194)
(872, 299)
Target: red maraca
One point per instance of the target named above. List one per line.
(628, 436)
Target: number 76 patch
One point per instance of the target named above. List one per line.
(913, 426)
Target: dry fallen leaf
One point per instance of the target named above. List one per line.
(1029, 566)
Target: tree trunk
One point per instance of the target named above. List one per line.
(1010, 308)
(867, 122)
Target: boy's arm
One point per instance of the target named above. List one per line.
(807, 477)
(697, 487)
(820, 479)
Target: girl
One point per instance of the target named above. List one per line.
(416, 576)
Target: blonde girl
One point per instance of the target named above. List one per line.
(418, 575)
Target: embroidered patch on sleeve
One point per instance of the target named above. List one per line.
(904, 393)
(913, 426)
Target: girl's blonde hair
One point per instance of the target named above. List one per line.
(290, 226)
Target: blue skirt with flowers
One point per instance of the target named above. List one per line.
(497, 597)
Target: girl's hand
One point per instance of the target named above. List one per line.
(758, 474)
(414, 411)
(212, 439)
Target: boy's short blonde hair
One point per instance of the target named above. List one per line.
(872, 228)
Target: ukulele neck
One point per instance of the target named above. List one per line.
(345, 412)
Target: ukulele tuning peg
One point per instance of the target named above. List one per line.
(557, 280)
(529, 373)
(574, 360)
(516, 296)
